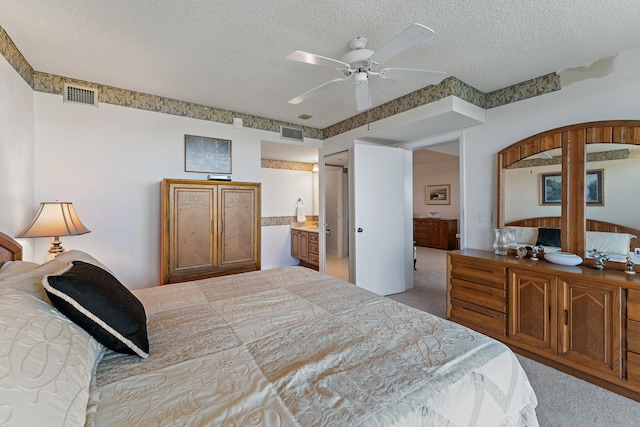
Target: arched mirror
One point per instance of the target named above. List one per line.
(595, 167)
(532, 187)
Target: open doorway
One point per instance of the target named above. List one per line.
(336, 188)
(436, 168)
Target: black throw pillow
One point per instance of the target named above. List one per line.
(97, 302)
(549, 237)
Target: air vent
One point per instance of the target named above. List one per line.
(80, 95)
(291, 133)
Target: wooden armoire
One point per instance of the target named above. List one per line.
(209, 228)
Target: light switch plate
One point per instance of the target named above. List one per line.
(485, 217)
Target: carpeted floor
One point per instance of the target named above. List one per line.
(563, 400)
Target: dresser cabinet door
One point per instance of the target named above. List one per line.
(300, 245)
(590, 319)
(439, 234)
(532, 309)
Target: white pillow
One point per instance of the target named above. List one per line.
(12, 268)
(46, 363)
(609, 243)
(31, 280)
(525, 235)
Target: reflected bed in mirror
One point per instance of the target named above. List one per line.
(606, 237)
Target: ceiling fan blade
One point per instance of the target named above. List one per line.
(418, 76)
(310, 58)
(363, 94)
(403, 41)
(316, 90)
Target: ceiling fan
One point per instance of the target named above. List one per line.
(361, 63)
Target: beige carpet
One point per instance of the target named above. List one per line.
(563, 400)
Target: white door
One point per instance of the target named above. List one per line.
(379, 218)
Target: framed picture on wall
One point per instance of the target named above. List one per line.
(551, 188)
(210, 155)
(438, 194)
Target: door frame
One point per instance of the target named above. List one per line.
(450, 137)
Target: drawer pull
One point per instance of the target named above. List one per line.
(471, 308)
(487, 292)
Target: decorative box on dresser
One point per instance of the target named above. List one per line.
(209, 228)
(578, 319)
(435, 233)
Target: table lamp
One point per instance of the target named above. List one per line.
(55, 219)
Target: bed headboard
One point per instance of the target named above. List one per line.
(10, 250)
(592, 225)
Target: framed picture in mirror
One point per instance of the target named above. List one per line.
(551, 188)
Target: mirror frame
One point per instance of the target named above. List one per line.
(572, 139)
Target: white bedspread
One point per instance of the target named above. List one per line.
(292, 347)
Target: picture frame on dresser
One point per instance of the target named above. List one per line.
(207, 155)
(438, 194)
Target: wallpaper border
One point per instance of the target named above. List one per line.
(271, 221)
(50, 83)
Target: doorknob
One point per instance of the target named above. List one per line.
(359, 230)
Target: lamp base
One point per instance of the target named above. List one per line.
(56, 246)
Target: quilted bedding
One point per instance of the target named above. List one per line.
(293, 347)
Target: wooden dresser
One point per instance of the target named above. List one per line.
(209, 228)
(580, 320)
(435, 233)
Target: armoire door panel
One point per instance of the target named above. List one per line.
(194, 237)
(237, 225)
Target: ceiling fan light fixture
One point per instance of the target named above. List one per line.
(362, 78)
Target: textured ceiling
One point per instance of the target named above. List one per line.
(230, 54)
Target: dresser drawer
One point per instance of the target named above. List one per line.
(633, 304)
(314, 258)
(485, 296)
(313, 248)
(313, 237)
(478, 318)
(633, 367)
(478, 271)
(633, 336)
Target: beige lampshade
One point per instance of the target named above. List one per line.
(55, 219)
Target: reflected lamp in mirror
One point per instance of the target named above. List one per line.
(55, 219)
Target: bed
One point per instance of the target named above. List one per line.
(282, 347)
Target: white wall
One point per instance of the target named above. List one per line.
(436, 173)
(280, 191)
(16, 154)
(109, 162)
(612, 97)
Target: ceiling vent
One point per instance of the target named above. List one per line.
(291, 133)
(80, 95)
